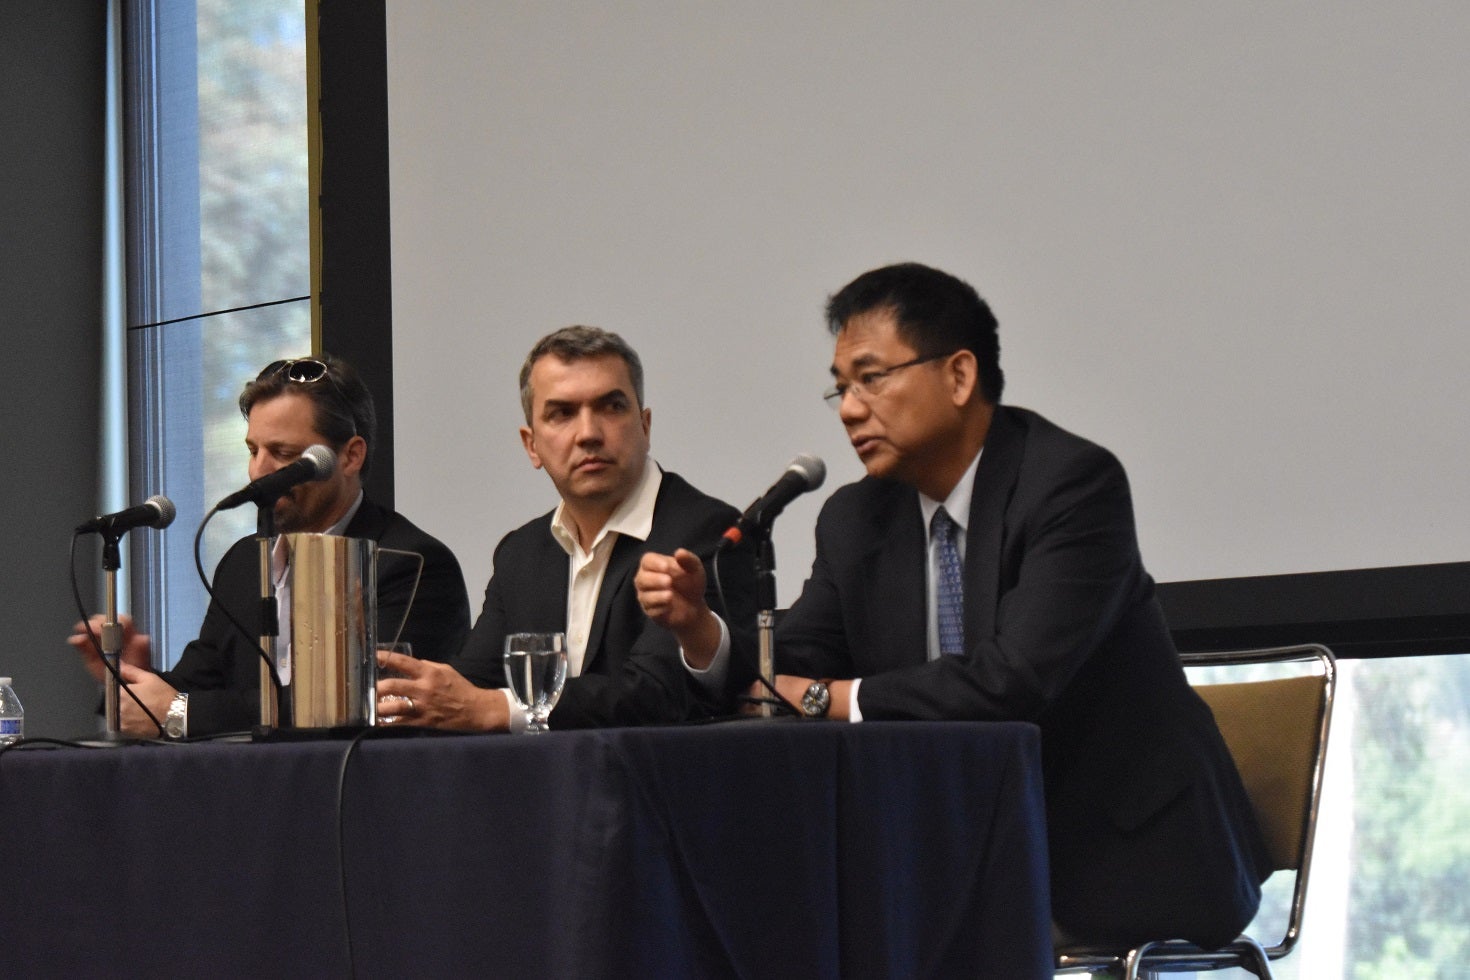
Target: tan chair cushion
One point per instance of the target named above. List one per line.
(1272, 729)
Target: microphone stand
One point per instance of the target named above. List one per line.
(765, 622)
(111, 634)
(269, 625)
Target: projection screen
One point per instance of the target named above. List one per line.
(1225, 241)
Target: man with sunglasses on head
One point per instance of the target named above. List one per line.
(572, 570)
(289, 407)
(987, 568)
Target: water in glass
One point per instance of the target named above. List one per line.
(536, 670)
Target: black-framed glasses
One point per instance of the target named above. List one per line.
(870, 383)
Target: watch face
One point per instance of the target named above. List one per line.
(815, 701)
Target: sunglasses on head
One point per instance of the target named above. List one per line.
(305, 371)
(302, 370)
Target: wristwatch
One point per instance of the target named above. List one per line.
(816, 700)
(176, 722)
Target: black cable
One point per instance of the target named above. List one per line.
(362, 736)
(112, 669)
(51, 744)
(776, 698)
(47, 744)
(342, 842)
(254, 641)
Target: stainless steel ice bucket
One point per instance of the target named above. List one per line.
(333, 632)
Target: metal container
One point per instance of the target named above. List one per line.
(333, 632)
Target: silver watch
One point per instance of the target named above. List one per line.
(816, 700)
(176, 722)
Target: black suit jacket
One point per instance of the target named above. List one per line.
(632, 672)
(221, 669)
(1150, 830)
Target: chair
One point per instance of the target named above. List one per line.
(1277, 733)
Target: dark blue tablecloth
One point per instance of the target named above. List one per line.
(776, 849)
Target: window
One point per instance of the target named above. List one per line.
(219, 266)
(1390, 888)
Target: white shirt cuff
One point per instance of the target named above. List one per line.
(712, 678)
(854, 713)
(519, 719)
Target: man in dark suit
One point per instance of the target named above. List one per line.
(215, 687)
(988, 568)
(572, 571)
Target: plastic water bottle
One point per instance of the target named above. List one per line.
(12, 715)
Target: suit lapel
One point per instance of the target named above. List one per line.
(627, 551)
(620, 566)
(995, 479)
(549, 585)
(674, 496)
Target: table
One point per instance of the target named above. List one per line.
(757, 849)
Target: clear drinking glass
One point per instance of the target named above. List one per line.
(536, 669)
(383, 672)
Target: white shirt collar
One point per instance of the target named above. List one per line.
(957, 504)
(633, 517)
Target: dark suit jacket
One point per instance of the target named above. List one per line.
(221, 669)
(632, 672)
(1150, 830)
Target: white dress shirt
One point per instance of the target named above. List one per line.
(586, 569)
(957, 505)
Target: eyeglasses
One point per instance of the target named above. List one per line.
(309, 370)
(871, 383)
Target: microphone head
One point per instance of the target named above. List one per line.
(322, 461)
(810, 468)
(166, 510)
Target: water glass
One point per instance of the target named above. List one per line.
(383, 672)
(536, 670)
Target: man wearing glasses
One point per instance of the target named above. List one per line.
(290, 406)
(573, 570)
(988, 568)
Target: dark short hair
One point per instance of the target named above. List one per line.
(342, 404)
(575, 343)
(936, 314)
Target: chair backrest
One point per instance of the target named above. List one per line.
(1276, 730)
(1271, 729)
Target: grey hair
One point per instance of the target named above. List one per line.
(574, 344)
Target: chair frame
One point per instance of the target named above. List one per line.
(1174, 956)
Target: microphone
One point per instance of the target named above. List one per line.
(316, 463)
(806, 472)
(157, 511)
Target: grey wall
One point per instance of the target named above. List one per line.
(1225, 240)
(51, 112)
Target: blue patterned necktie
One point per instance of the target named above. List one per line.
(949, 583)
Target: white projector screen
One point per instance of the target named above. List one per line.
(1226, 241)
